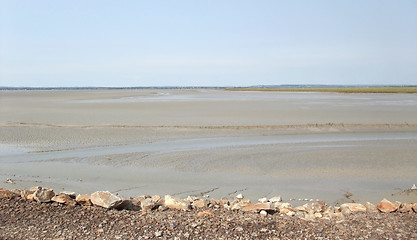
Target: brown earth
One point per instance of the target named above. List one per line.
(21, 219)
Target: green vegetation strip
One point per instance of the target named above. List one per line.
(335, 89)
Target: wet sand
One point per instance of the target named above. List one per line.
(211, 142)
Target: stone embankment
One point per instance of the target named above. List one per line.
(309, 211)
(34, 210)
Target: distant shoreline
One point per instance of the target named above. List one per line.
(266, 88)
(384, 89)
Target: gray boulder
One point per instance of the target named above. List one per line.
(43, 194)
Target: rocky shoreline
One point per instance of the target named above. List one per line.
(40, 213)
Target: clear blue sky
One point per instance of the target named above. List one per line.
(207, 43)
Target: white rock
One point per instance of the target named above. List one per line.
(290, 213)
(176, 203)
(191, 199)
(276, 199)
(239, 196)
(285, 205)
(263, 213)
(9, 181)
(263, 200)
(414, 187)
(158, 233)
(105, 199)
(352, 207)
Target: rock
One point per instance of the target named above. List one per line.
(84, 200)
(345, 211)
(156, 198)
(252, 207)
(191, 198)
(176, 203)
(239, 196)
(234, 202)
(263, 213)
(287, 211)
(162, 208)
(276, 205)
(138, 200)
(415, 207)
(105, 199)
(275, 199)
(72, 195)
(371, 207)
(309, 217)
(148, 205)
(224, 201)
(301, 208)
(198, 203)
(7, 194)
(406, 207)
(285, 205)
(30, 197)
(158, 234)
(263, 200)
(10, 181)
(16, 191)
(33, 189)
(213, 203)
(64, 199)
(414, 187)
(43, 195)
(25, 194)
(299, 214)
(386, 206)
(353, 207)
(336, 215)
(315, 207)
(146, 196)
(290, 213)
(205, 214)
(318, 215)
(127, 205)
(329, 210)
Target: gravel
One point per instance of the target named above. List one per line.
(21, 219)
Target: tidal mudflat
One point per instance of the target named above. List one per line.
(211, 142)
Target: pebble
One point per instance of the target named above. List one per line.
(158, 233)
(263, 213)
(239, 196)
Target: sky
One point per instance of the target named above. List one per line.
(207, 43)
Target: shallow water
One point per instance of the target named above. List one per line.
(17, 154)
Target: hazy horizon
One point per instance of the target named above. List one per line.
(207, 43)
(208, 87)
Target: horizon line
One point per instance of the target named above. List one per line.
(205, 87)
